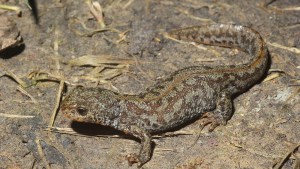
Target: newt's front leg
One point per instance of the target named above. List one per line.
(145, 151)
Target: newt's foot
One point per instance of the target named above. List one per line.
(133, 158)
(211, 119)
(145, 150)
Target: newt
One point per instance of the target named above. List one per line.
(197, 92)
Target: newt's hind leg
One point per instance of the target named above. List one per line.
(220, 115)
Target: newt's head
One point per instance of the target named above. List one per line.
(92, 105)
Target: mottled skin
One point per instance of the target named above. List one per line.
(186, 94)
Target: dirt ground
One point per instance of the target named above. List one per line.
(124, 50)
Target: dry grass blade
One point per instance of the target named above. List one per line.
(90, 32)
(12, 8)
(276, 9)
(128, 4)
(13, 76)
(292, 49)
(27, 94)
(122, 36)
(15, 116)
(176, 133)
(291, 9)
(40, 76)
(104, 74)
(57, 103)
(108, 73)
(96, 10)
(72, 132)
(94, 60)
(96, 71)
(106, 67)
(286, 157)
(272, 76)
(297, 161)
(45, 76)
(41, 153)
(61, 130)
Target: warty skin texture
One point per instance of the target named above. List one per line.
(185, 95)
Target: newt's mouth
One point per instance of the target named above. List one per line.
(69, 111)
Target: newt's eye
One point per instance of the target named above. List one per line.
(82, 111)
